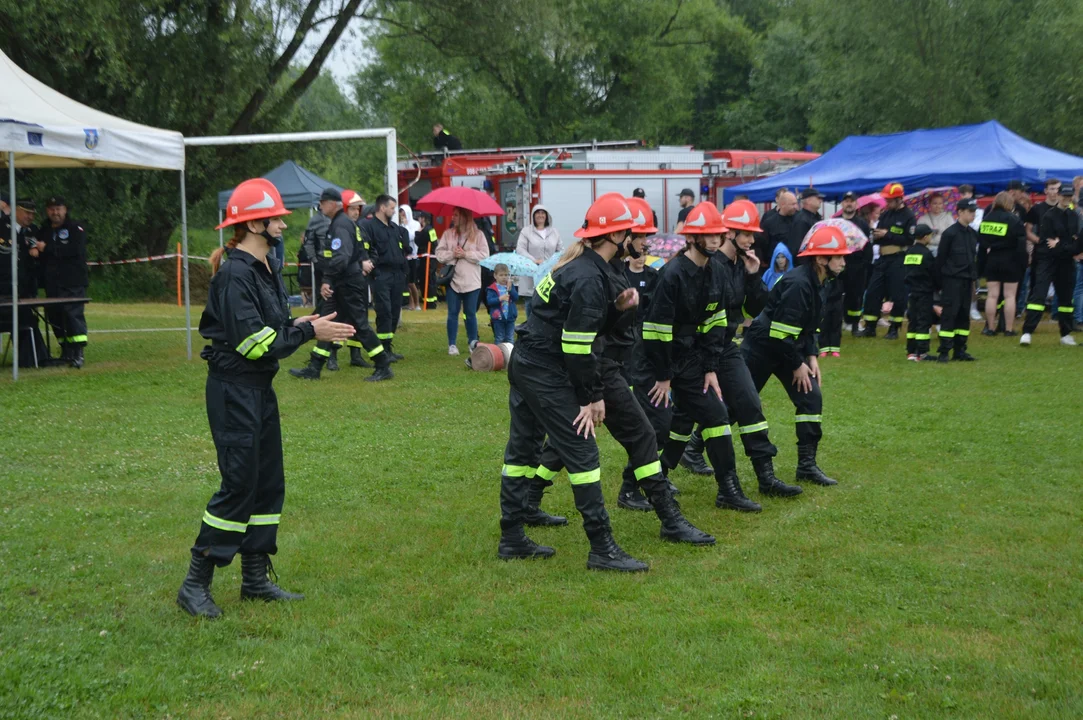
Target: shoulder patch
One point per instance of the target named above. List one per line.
(63, 234)
(336, 243)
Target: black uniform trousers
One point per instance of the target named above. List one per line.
(1060, 272)
(920, 314)
(387, 288)
(831, 325)
(853, 281)
(69, 321)
(694, 406)
(658, 417)
(350, 301)
(955, 294)
(887, 283)
(762, 364)
(742, 399)
(243, 515)
(626, 422)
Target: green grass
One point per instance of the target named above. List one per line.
(940, 579)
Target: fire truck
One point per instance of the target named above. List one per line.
(568, 178)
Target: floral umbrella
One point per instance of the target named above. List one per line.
(665, 245)
(855, 239)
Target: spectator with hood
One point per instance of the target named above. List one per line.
(538, 241)
(413, 227)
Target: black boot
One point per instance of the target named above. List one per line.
(868, 332)
(605, 553)
(692, 459)
(769, 484)
(732, 497)
(963, 356)
(75, 359)
(64, 360)
(892, 332)
(514, 544)
(807, 468)
(255, 583)
(392, 356)
(357, 359)
(310, 371)
(332, 361)
(383, 368)
(675, 527)
(194, 595)
(629, 497)
(534, 515)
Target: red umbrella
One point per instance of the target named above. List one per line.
(444, 201)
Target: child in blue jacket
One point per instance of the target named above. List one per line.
(500, 298)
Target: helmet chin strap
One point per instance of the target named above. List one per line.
(272, 241)
(703, 248)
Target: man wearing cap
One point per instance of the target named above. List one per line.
(687, 198)
(809, 214)
(61, 247)
(26, 238)
(1054, 263)
(642, 195)
(313, 239)
(957, 270)
(895, 233)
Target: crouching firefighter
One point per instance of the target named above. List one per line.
(248, 323)
(782, 342)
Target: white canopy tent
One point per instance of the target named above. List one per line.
(42, 128)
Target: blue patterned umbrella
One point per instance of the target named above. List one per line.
(517, 264)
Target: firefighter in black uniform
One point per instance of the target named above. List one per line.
(856, 275)
(61, 249)
(555, 389)
(956, 272)
(352, 203)
(315, 237)
(387, 247)
(895, 233)
(31, 344)
(919, 271)
(444, 140)
(623, 417)
(248, 324)
(426, 255)
(344, 262)
(1054, 261)
(782, 342)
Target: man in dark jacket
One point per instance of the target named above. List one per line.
(61, 248)
(809, 214)
(1054, 263)
(776, 224)
(957, 271)
(387, 243)
(444, 140)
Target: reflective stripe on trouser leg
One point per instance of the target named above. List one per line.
(743, 403)
(710, 413)
(628, 423)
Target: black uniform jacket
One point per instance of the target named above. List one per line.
(789, 322)
(802, 223)
(744, 294)
(1003, 231)
(343, 250)
(687, 315)
(64, 257)
(247, 320)
(572, 312)
(1063, 225)
(900, 225)
(919, 269)
(386, 244)
(957, 255)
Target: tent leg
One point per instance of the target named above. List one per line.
(14, 274)
(184, 250)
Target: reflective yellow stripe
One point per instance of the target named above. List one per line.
(911, 336)
(678, 437)
(808, 418)
(922, 336)
(354, 343)
(575, 349)
(717, 431)
(585, 478)
(255, 345)
(1034, 306)
(964, 333)
(1060, 308)
(545, 473)
(830, 349)
(518, 471)
(220, 524)
(947, 334)
(913, 259)
(658, 327)
(327, 253)
(897, 318)
(264, 519)
(376, 351)
(654, 468)
(432, 235)
(386, 336)
(659, 336)
(783, 327)
(871, 318)
(779, 335)
(321, 351)
(82, 338)
(579, 337)
(757, 427)
(716, 320)
(854, 313)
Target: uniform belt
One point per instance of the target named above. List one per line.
(886, 250)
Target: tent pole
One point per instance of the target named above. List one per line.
(392, 166)
(221, 241)
(14, 274)
(184, 250)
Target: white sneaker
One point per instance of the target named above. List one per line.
(974, 314)
(473, 345)
(452, 349)
(1024, 339)
(1068, 340)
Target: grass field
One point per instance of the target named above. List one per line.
(942, 578)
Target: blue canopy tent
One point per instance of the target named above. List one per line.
(298, 187)
(987, 156)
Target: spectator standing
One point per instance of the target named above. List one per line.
(500, 299)
(809, 214)
(856, 274)
(687, 199)
(1001, 240)
(413, 227)
(938, 219)
(776, 224)
(538, 241)
(781, 263)
(462, 245)
(61, 247)
(1054, 262)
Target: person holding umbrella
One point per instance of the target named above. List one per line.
(462, 246)
(248, 324)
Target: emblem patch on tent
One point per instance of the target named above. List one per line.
(91, 141)
(34, 138)
(336, 243)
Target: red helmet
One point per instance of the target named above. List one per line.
(644, 218)
(828, 240)
(892, 190)
(351, 197)
(742, 215)
(608, 214)
(704, 220)
(255, 199)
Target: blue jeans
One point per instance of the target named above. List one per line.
(527, 304)
(462, 303)
(503, 331)
(1077, 296)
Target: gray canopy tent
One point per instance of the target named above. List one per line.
(298, 187)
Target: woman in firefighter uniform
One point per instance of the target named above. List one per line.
(782, 341)
(555, 388)
(623, 417)
(248, 324)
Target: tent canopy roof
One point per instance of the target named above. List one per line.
(987, 156)
(45, 128)
(299, 187)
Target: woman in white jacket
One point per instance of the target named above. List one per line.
(539, 241)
